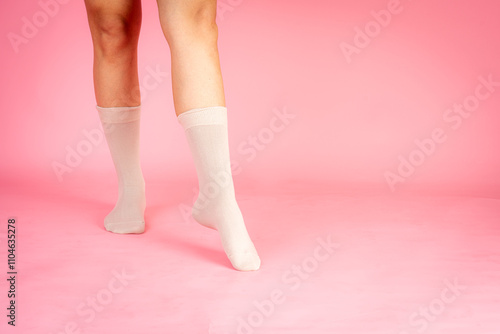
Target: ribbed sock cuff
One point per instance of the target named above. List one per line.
(119, 114)
(203, 116)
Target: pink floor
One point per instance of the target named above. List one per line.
(322, 90)
(332, 262)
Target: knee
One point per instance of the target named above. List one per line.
(114, 35)
(197, 23)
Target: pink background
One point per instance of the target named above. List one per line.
(352, 120)
(320, 176)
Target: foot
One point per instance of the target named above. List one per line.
(223, 214)
(128, 213)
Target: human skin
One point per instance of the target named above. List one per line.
(191, 32)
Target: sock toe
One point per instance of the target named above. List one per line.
(125, 227)
(245, 261)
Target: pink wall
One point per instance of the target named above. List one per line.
(355, 116)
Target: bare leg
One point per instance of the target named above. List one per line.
(115, 27)
(191, 31)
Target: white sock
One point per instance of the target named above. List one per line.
(216, 206)
(121, 129)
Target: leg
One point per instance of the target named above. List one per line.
(191, 32)
(115, 27)
(190, 29)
